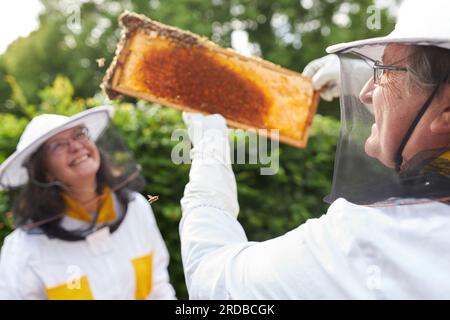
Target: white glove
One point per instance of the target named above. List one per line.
(201, 126)
(325, 74)
(211, 179)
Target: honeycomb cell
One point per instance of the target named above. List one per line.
(189, 76)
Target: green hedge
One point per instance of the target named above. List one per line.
(270, 205)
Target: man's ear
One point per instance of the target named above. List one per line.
(441, 124)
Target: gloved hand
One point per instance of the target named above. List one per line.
(211, 179)
(325, 74)
(201, 127)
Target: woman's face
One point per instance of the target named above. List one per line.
(395, 107)
(72, 158)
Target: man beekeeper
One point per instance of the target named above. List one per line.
(386, 234)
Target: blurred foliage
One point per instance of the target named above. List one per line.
(54, 70)
(73, 34)
(270, 205)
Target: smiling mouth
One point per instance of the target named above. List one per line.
(79, 160)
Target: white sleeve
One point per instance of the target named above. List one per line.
(161, 287)
(305, 263)
(211, 178)
(211, 191)
(210, 239)
(18, 281)
(220, 263)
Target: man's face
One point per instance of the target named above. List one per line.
(395, 106)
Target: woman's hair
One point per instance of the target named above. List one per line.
(428, 66)
(36, 202)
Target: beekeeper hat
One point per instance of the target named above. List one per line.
(423, 175)
(418, 23)
(13, 172)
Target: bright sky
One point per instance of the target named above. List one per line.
(17, 18)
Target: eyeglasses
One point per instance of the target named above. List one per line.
(59, 146)
(378, 71)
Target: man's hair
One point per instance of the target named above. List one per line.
(428, 66)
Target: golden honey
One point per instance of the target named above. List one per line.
(190, 77)
(181, 70)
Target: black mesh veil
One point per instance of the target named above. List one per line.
(364, 180)
(125, 171)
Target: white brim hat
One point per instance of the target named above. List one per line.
(419, 23)
(373, 48)
(12, 171)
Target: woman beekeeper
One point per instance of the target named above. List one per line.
(387, 232)
(81, 230)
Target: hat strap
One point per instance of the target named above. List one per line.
(412, 127)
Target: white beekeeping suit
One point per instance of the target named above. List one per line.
(130, 263)
(351, 252)
(115, 251)
(383, 239)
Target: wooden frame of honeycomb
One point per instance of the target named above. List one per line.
(181, 70)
